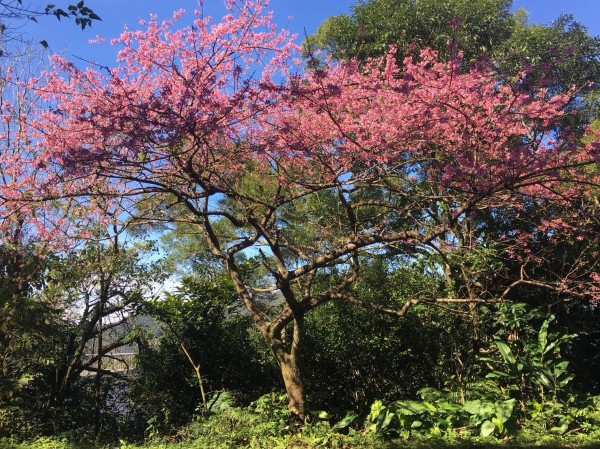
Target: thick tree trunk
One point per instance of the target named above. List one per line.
(294, 386)
(98, 383)
(289, 364)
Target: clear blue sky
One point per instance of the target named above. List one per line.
(308, 14)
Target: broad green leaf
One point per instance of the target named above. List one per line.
(416, 424)
(504, 409)
(499, 424)
(543, 380)
(507, 354)
(387, 419)
(345, 421)
(552, 345)
(543, 336)
(430, 406)
(487, 428)
(448, 407)
(405, 421)
(436, 431)
(376, 409)
(560, 429)
(566, 380)
(473, 407)
(561, 367)
(519, 367)
(24, 381)
(411, 407)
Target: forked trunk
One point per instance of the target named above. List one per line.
(287, 353)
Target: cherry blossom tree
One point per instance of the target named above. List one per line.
(302, 171)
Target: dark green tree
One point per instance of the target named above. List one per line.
(475, 27)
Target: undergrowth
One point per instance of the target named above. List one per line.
(265, 425)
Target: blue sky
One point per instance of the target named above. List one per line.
(308, 14)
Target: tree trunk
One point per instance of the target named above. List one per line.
(286, 353)
(294, 386)
(289, 364)
(98, 383)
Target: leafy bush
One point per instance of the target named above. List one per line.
(442, 417)
(532, 369)
(490, 417)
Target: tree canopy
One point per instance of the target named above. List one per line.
(475, 27)
(294, 175)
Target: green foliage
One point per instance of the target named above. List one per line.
(562, 51)
(196, 301)
(264, 425)
(530, 368)
(480, 417)
(23, 318)
(353, 356)
(272, 406)
(201, 315)
(475, 26)
(583, 318)
(38, 443)
(490, 417)
(440, 423)
(54, 326)
(368, 353)
(529, 380)
(441, 417)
